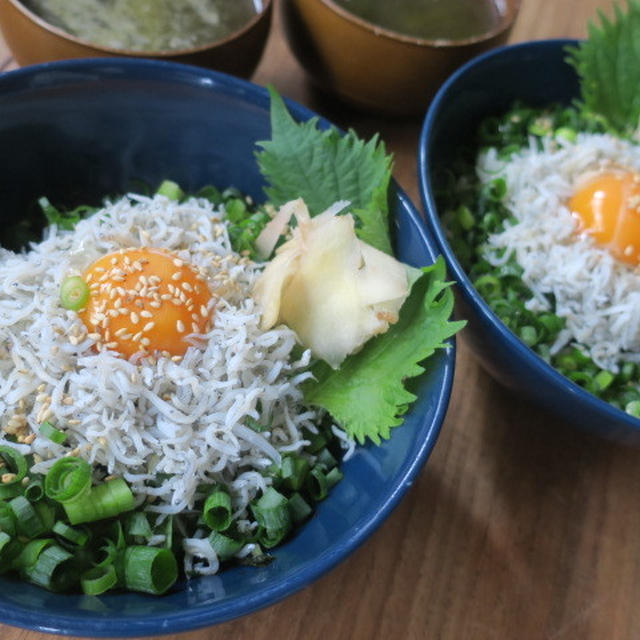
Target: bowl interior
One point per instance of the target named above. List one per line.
(508, 10)
(535, 73)
(79, 130)
(262, 6)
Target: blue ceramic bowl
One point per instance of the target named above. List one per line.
(78, 130)
(536, 73)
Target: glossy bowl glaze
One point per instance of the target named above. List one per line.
(536, 73)
(78, 130)
(375, 68)
(32, 40)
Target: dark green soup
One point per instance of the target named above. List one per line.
(429, 19)
(147, 25)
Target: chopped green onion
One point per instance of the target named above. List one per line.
(325, 459)
(105, 555)
(272, 513)
(115, 534)
(317, 441)
(294, 471)
(29, 522)
(34, 491)
(316, 484)
(51, 569)
(49, 431)
(255, 425)
(68, 480)
(5, 539)
(8, 554)
(566, 133)
(8, 519)
(465, 217)
(149, 569)
(528, 335)
(47, 514)
(103, 501)
(30, 552)
(15, 464)
(210, 193)
(633, 408)
(603, 379)
(8, 491)
(98, 580)
(217, 510)
(74, 293)
(224, 546)
(171, 190)
(166, 529)
(77, 537)
(137, 526)
(299, 508)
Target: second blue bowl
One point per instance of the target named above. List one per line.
(535, 73)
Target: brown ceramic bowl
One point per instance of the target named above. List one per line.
(32, 40)
(371, 67)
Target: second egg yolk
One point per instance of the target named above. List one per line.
(607, 208)
(145, 301)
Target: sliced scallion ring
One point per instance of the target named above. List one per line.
(74, 293)
(49, 431)
(98, 580)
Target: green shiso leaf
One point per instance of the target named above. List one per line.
(367, 395)
(322, 167)
(608, 65)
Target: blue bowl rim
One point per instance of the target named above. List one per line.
(263, 597)
(487, 315)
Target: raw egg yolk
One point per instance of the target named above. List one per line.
(608, 209)
(145, 301)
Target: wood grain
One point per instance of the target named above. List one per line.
(518, 527)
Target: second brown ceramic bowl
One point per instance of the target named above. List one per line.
(32, 40)
(374, 68)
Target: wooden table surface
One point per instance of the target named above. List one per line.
(518, 526)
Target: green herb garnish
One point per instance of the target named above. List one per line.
(608, 65)
(322, 167)
(367, 395)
